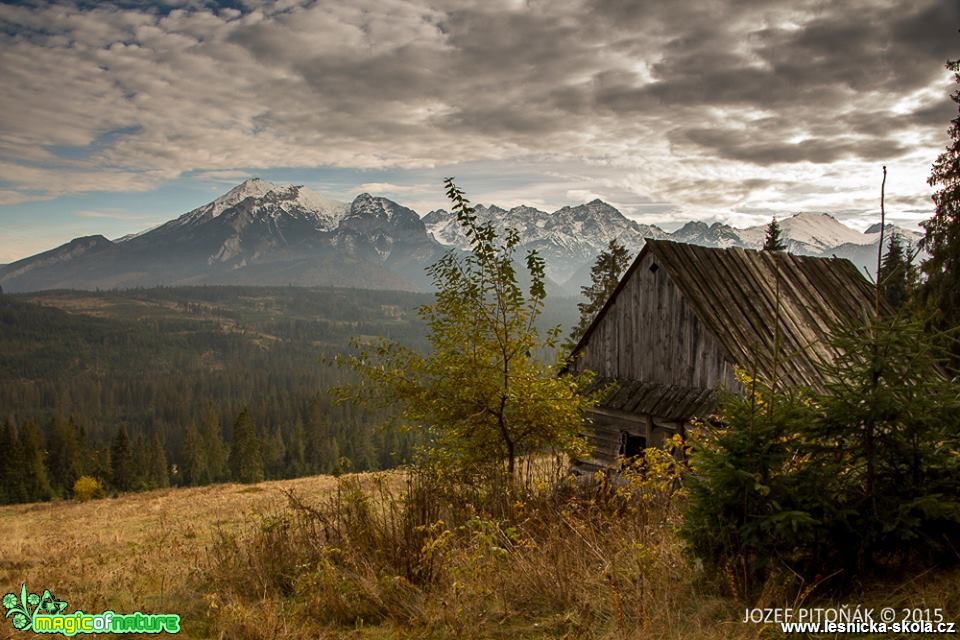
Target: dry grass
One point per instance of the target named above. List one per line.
(136, 552)
(387, 556)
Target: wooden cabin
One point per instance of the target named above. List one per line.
(683, 317)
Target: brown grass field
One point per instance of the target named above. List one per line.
(154, 552)
(138, 552)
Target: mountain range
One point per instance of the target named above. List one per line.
(260, 233)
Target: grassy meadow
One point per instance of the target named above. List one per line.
(348, 559)
(138, 552)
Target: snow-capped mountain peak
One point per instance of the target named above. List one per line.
(261, 232)
(252, 188)
(820, 231)
(268, 200)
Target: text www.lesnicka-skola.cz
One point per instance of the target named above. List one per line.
(852, 619)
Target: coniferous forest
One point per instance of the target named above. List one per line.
(147, 388)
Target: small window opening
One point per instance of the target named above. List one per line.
(654, 267)
(631, 446)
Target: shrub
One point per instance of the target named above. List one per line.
(860, 479)
(87, 488)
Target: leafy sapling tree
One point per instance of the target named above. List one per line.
(481, 391)
(941, 289)
(774, 240)
(604, 277)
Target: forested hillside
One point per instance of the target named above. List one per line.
(172, 369)
(79, 367)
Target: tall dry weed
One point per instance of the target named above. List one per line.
(474, 557)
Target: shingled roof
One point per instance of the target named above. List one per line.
(752, 300)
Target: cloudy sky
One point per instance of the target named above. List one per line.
(118, 116)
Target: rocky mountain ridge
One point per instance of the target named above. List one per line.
(260, 233)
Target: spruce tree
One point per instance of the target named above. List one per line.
(897, 278)
(274, 451)
(315, 449)
(246, 460)
(122, 471)
(604, 278)
(158, 474)
(774, 240)
(36, 479)
(941, 290)
(65, 455)
(193, 459)
(13, 467)
(141, 462)
(6, 438)
(296, 456)
(215, 448)
(861, 476)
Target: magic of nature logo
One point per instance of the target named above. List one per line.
(44, 613)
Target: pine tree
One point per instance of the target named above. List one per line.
(328, 456)
(36, 479)
(604, 278)
(941, 290)
(158, 474)
(774, 240)
(215, 449)
(13, 467)
(122, 471)
(317, 461)
(66, 451)
(193, 459)
(296, 457)
(246, 461)
(807, 481)
(141, 462)
(898, 277)
(274, 452)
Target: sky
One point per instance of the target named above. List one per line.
(115, 117)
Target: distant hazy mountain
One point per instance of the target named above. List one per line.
(257, 233)
(260, 233)
(567, 239)
(571, 238)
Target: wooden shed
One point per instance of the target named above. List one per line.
(683, 317)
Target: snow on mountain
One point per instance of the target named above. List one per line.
(528, 222)
(566, 239)
(252, 188)
(873, 232)
(809, 233)
(273, 200)
(263, 233)
(375, 211)
(717, 234)
(570, 238)
(256, 233)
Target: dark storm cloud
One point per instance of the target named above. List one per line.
(936, 114)
(818, 71)
(652, 90)
(740, 145)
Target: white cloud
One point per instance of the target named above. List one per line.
(666, 111)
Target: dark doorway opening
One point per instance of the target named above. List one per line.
(631, 446)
